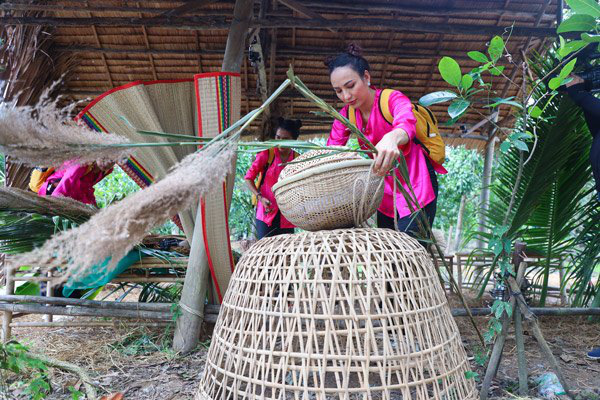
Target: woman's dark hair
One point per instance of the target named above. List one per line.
(352, 58)
(291, 125)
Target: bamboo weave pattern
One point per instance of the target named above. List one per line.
(343, 314)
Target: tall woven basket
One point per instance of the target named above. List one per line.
(342, 314)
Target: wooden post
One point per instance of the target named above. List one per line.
(484, 199)
(496, 355)
(519, 338)
(449, 241)
(459, 223)
(537, 333)
(49, 293)
(187, 329)
(7, 315)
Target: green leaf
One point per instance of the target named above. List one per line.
(586, 37)
(570, 47)
(496, 246)
(589, 7)
(467, 81)
(496, 48)
(555, 83)
(498, 309)
(28, 289)
(520, 145)
(450, 71)
(471, 375)
(458, 107)
(577, 23)
(507, 101)
(437, 97)
(478, 56)
(535, 112)
(488, 335)
(567, 69)
(508, 309)
(496, 71)
(505, 146)
(500, 230)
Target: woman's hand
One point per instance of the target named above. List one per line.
(576, 79)
(387, 150)
(266, 204)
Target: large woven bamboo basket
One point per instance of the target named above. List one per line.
(336, 191)
(342, 314)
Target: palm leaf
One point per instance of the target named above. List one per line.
(551, 200)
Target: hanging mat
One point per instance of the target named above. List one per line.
(203, 106)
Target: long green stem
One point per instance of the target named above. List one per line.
(411, 199)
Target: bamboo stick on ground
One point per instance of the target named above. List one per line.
(83, 311)
(537, 333)
(496, 356)
(115, 305)
(522, 361)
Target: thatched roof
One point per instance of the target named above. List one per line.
(119, 41)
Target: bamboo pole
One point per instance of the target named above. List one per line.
(537, 333)
(114, 305)
(212, 23)
(537, 311)
(83, 311)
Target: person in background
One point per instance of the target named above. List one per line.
(74, 180)
(590, 104)
(580, 93)
(351, 79)
(266, 167)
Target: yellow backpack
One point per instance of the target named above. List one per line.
(261, 175)
(428, 134)
(38, 177)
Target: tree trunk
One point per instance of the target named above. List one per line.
(187, 330)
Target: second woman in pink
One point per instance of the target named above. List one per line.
(269, 221)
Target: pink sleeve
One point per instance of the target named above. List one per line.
(258, 165)
(70, 184)
(404, 118)
(339, 134)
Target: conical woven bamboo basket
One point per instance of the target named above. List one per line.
(342, 314)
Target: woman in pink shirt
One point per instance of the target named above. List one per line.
(351, 80)
(269, 221)
(75, 181)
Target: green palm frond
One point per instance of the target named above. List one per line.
(21, 232)
(551, 203)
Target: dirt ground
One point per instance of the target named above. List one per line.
(137, 361)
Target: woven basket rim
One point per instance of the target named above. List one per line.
(319, 170)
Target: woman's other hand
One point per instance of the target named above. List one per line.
(388, 152)
(266, 204)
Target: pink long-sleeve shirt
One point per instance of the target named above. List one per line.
(374, 130)
(75, 181)
(266, 189)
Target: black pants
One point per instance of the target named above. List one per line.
(410, 223)
(264, 230)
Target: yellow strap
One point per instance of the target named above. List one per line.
(352, 115)
(384, 105)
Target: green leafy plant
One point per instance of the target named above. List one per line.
(14, 358)
(583, 21)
